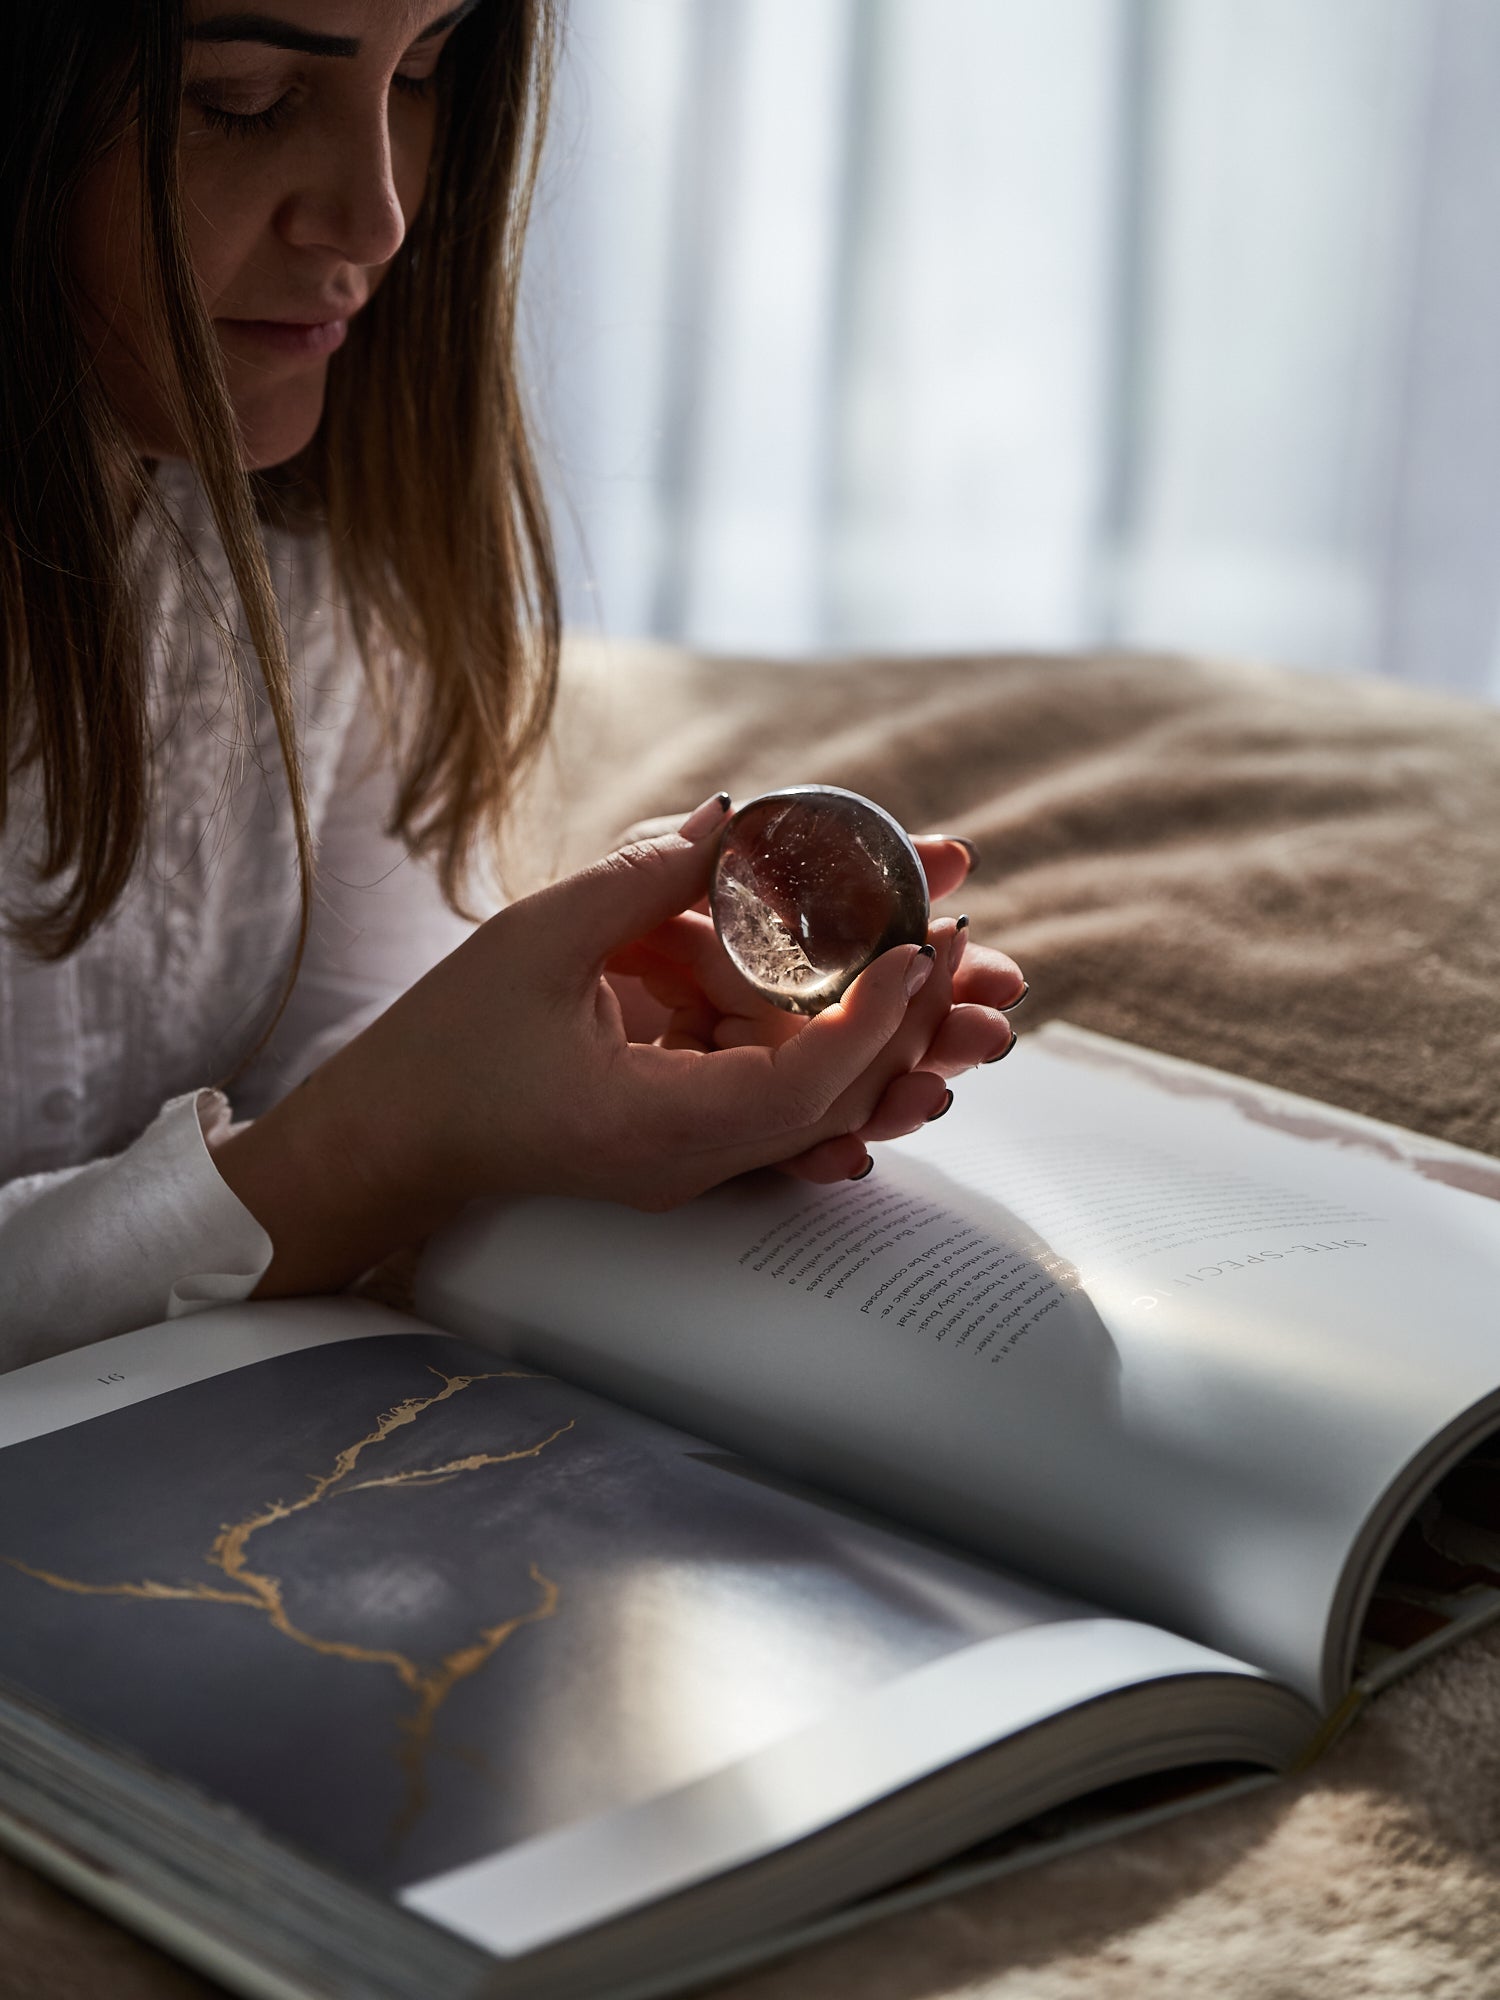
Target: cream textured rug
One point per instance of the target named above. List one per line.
(1284, 876)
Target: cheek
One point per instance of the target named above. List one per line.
(223, 220)
(413, 129)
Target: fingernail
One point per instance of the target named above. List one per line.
(1005, 1051)
(920, 970)
(866, 1170)
(960, 939)
(705, 818)
(968, 846)
(1011, 1005)
(943, 1109)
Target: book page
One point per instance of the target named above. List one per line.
(1097, 1324)
(486, 1644)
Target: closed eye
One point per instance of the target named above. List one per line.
(243, 123)
(246, 124)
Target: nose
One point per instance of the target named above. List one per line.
(345, 199)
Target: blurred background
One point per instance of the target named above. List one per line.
(1008, 323)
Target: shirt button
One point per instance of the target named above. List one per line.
(60, 1106)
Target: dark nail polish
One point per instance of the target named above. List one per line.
(1004, 1052)
(866, 1170)
(962, 924)
(925, 951)
(943, 1109)
(723, 798)
(1011, 1005)
(968, 846)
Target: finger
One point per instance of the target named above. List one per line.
(908, 1103)
(757, 1023)
(767, 1029)
(947, 861)
(690, 1024)
(680, 1038)
(672, 989)
(682, 961)
(642, 1015)
(580, 922)
(927, 1012)
(968, 1037)
(635, 959)
(674, 959)
(682, 938)
(987, 978)
(837, 1047)
(689, 942)
(651, 829)
(759, 1100)
(766, 1026)
(841, 1159)
(668, 984)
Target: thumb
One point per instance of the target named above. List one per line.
(638, 887)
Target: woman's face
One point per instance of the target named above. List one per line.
(306, 133)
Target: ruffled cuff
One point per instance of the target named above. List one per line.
(149, 1234)
(239, 1248)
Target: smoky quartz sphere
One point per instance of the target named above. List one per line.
(809, 885)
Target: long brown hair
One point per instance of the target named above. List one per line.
(421, 472)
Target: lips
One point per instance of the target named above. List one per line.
(307, 338)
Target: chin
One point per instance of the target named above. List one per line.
(274, 428)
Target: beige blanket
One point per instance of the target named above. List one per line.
(1288, 877)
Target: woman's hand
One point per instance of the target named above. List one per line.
(695, 998)
(507, 1070)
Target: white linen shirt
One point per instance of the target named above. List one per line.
(112, 1214)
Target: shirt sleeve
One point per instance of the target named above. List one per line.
(148, 1234)
(153, 1232)
(378, 923)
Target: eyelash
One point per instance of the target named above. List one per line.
(244, 124)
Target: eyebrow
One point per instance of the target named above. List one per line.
(275, 34)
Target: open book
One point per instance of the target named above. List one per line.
(677, 1587)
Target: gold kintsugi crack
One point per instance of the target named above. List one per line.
(259, 1590)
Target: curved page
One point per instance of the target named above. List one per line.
(1147, 1332)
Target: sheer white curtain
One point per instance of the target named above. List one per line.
(1008, 322)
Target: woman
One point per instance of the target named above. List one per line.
(280, 627)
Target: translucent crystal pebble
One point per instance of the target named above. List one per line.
(809, 885)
